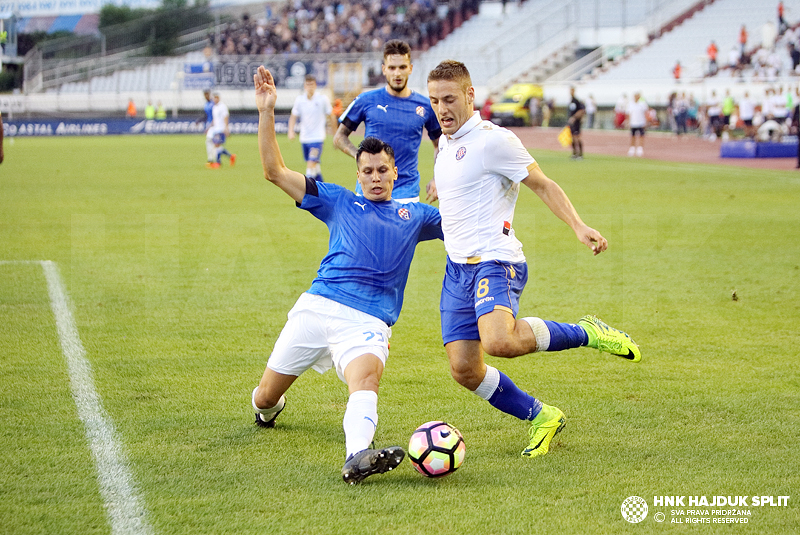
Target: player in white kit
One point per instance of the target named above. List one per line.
(478, 173)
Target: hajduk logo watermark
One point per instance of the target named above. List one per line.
(714, 509)
(634, 509)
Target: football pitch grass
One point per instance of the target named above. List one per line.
(179, 280)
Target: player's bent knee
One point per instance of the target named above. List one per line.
(468, 377)
(499, 347)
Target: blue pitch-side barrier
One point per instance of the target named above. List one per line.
(787, 148)
(107, 127)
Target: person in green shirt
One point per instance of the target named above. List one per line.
(161, 113)
(150, 111)
(727, 110)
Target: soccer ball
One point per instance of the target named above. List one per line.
(436, 449)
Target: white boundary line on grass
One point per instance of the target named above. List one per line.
(125, 511)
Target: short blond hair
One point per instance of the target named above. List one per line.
(451, 71)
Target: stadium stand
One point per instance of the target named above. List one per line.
(718, 21)
(624, 44)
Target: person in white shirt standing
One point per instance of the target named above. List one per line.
(314, 110)
(478, 172)
(636, 116)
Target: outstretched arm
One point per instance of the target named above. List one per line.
(275, 170)
(558, 202)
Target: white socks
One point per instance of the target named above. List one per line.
(267, 414)
(489, 383)
(541, 332)
(360, 421)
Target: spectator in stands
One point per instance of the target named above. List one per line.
(314, 111)
(636, 117)
(712, 58)
(130, 113)
(734, 60)
(742, 43)
(328, 26)
(747, 111)
(782, 26)
(676, 71)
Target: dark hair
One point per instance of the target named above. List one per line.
(451, 71)
(373, 145)
(310, 78)
(396, 47)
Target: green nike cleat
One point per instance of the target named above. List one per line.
(609, 339)
(547, 424)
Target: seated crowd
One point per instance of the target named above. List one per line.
(333, 26)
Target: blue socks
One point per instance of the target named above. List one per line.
(554, 336)
(565, 336)
(504, 395)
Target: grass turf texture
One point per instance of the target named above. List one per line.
(181, 278)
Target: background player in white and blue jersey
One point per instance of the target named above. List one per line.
(207, 119)
(395, 114)
(218, 132)
(344, 320)
(313, 110)
(478, 172)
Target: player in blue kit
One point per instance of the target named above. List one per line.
(344, 320)
(395, 114)
(478, 173)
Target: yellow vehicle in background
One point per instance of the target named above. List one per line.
(514, 109)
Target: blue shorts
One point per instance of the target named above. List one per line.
(218, 139)
(471, 290)
(312, 151)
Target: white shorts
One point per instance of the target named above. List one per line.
(321, 333)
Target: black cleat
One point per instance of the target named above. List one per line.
(369, 462)
(271, 423)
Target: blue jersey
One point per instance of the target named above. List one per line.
(370, 248)
(398, 122)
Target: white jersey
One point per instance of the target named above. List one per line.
(313, 114)
(478, 171)
(747, 109)
(637, 114)
(218, 115)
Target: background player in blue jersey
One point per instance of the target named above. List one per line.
(395, 114)
(344, 320)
